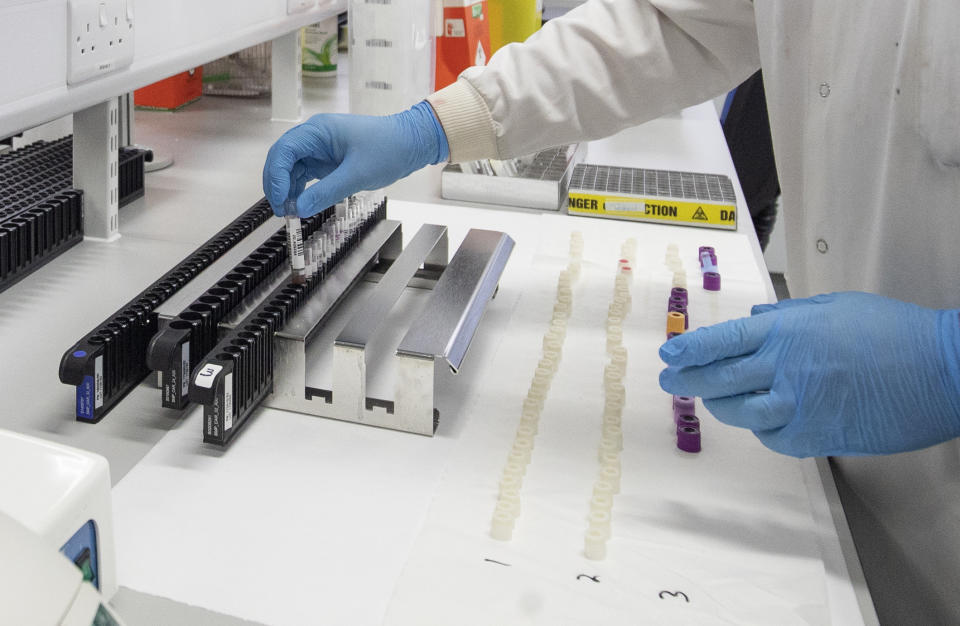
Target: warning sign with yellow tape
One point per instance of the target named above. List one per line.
(688, 198)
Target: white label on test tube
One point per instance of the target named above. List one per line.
(295, 241)
(294, 236)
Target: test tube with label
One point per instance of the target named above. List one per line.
(308, 257)
(295, 242)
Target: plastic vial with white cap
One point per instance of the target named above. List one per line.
(295, 242)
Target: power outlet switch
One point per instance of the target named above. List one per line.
(100, 38)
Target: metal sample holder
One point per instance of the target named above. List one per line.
(243, 275)
(538, 181)
(235, 376)
(438, 337)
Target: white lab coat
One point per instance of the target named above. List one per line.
(864, 101)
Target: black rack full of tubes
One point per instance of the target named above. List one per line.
(130, 185)
(177, 348)
(40, 215)
(48, 166)
(238, 373)
(110, 360)
(34, 236)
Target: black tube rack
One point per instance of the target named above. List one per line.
(48, 165)
(238, 373)
(109, 361)
(130, 175)
(40, 216)
(180, 345)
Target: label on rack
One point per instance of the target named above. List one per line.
(98, 382)
(227, 402)
(661, 210)
(207, 374)
(185, 369)
(85, 398)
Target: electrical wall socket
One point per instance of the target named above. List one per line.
(299, 6)
(100, 37)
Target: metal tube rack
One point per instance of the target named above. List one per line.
(189, 322)
(238, 373)
(440, 335)
(538, 181)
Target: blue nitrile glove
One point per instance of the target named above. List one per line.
(350, 153)
(838, 374)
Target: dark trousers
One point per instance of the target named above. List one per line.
(747, 129)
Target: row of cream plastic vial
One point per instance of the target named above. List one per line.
(607, 483)
(508, 500)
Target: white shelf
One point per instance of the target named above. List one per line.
(171, 36)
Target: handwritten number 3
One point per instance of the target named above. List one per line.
(674, 594)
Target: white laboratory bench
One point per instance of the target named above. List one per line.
(303, 520)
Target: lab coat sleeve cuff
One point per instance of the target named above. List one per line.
(467, 122)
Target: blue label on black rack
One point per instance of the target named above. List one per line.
(85, 398)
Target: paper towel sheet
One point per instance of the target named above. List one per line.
(310, 521)
(720, 537)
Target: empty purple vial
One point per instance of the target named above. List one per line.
(683, 405)
(687, 419)
(688, 439)
(711, 281)
(685, 401)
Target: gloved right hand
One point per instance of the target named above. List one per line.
(350, 153)
(837, 374)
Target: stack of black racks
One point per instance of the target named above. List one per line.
(41, 215)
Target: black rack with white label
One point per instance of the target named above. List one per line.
(193, 331)
(109, 361)
(238, 373)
